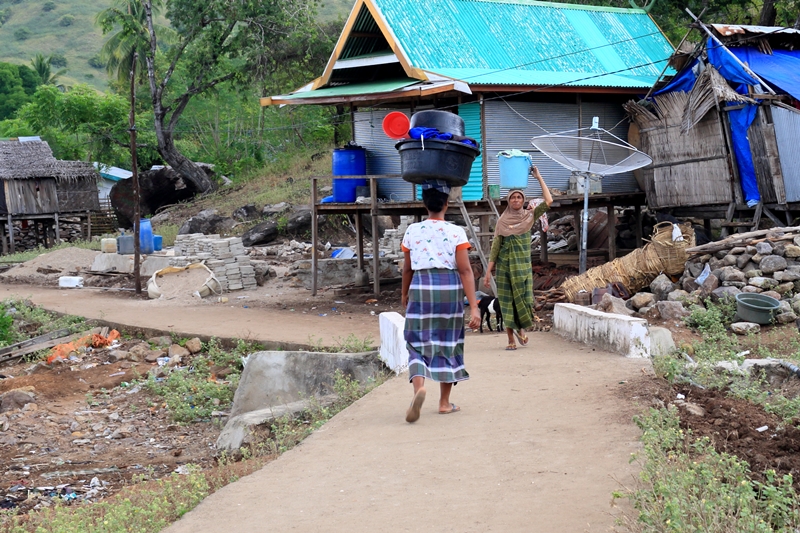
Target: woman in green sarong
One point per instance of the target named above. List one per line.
(511, 254)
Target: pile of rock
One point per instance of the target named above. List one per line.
(26, 238)
(765, 262)
(226, 258)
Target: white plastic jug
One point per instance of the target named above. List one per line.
(108, 246)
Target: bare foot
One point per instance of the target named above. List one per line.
(447, 409)
(412, 415)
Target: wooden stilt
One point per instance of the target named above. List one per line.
(88, 225)
(376, 253)
(11, 234)
(5, 242)
(543, 246)
(360, 242)
(58, 229)
(314, 236)
(611, 226)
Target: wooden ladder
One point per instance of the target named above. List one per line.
(475, 236)
(742, 220)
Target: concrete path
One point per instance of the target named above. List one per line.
(538, 447)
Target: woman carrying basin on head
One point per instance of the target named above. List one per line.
(436, 276)
(511, 255)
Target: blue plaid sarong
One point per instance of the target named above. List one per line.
(434, 328)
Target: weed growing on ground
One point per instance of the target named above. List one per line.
(28, 320)
(687, 486)
(349, 344)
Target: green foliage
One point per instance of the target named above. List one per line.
(687, 486)
(42, 65)
(6, 323)
(58, 60)
(12, 90)
(66, 20)
(29, 321)
(5, 14)
(96, 62)
(191, 394)
(22, 34)
(48, 6)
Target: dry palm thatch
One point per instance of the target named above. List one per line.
(24, 160)
(709, 88)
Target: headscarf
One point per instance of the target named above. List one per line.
(514, 221)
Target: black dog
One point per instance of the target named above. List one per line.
(490, 306)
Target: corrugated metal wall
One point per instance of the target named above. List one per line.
(511, 125)
(787, 132)
(471, 113)
(382, 157)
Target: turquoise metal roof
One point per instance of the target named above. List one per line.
(489, 42)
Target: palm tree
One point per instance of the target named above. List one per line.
(133, 36)
(43, 68)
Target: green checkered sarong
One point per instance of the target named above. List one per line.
(515, 281)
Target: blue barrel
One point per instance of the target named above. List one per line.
(145, 236)
(514, 171)
(348, 162)
(158, 241)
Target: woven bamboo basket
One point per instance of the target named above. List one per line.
(672, 253)
(640, 267)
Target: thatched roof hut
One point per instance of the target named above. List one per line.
(34, 182)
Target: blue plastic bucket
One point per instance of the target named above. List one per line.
(158, 242)
(348, 162)
(514, 171)
(145, 236)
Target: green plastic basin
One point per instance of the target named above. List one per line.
(754, 307)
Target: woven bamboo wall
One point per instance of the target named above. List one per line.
(688, 169)
(78, 195)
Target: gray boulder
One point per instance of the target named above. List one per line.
(764, 248)
(709, 285)
(671, 310)
(246, 213)
(642, 299)
(724, 293)
(731, 274)
(661, 341)
(763, 283)
(275, 209)
(16, 399)
(207, 222)
(745, 328)
(792, 251)
(662, 286)
(743, 260)
(263, 233)
(772, 263)
(785, 318)
(612, 304)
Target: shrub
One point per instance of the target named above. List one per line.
(96, 62)
(22, 34)
(48, 6)
(66, 20)
(58, 60)
(5, 14)
(89, 76)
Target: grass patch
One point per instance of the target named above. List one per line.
(687, 486)
(168, 233)
(27, 255)
(25, 320)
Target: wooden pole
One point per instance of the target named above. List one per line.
(137, 213)
(10, 234)
(314, 237)
(376, 253)
(58, 229)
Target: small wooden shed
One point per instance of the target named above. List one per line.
(36, 183)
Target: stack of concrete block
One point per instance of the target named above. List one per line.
(226, 258)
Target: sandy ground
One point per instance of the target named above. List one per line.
(541, 443)
(543, 439)
(237, 318)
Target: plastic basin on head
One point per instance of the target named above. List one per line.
(396, 125)
(450, 161)
(754, 307)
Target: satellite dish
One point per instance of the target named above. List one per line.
(592, 153)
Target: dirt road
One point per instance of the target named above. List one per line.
(236, 318)
(537, 448)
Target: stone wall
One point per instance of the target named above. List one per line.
(332, 272)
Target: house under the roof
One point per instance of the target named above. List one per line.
(37, 186)
(512, 69)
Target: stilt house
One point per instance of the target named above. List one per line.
(36, 183)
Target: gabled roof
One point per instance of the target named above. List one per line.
(34, 159)
(500, 42)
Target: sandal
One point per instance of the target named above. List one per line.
(523, 339)
(511, 347)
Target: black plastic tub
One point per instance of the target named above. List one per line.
(444, 121)
(445, 160)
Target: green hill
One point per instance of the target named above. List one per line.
(55, 27)
(67, 27)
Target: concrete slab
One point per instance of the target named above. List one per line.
(661, 341)
(124, 263)
(616, 333)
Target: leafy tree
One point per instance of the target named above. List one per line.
(128, 17)
(30, 79)
(219, 41)
(42, 66)
(12, 92)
